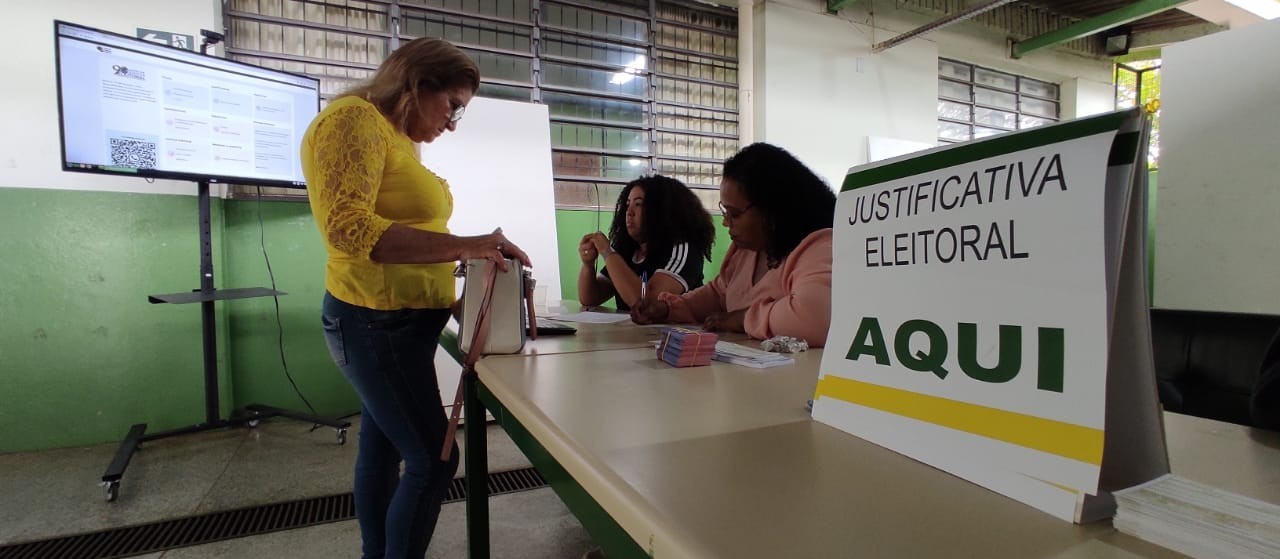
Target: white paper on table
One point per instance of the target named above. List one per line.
(589, 317)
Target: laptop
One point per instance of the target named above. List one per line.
(552, 327)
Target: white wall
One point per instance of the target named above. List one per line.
(820, 92)
(30, 152)
(498, 164)
(1218, 198)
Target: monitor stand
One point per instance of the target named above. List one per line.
(206, 295)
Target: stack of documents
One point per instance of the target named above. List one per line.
(750, 357)
(1199, 520)
(682, 347)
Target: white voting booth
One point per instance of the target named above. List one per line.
(498, 165)
(989, 313)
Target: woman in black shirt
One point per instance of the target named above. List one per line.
(660, 232)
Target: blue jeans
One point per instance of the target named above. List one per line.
(388, 357)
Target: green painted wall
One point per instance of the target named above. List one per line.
(297, 260)
(85, 356)
(82, 353)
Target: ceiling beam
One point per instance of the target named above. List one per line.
(939, 24)
(834, 6)
(1163, 37)
(1085, 28)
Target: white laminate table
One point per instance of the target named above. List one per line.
(725, 462)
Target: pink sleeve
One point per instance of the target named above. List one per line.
(694, 306)
(805, 309)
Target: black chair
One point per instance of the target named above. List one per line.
(1222, 366)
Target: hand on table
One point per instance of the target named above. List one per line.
(732, 321)
(649, 311)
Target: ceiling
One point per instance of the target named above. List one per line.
(1073, 25)
(1084, 9)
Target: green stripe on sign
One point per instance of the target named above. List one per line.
(999, 145)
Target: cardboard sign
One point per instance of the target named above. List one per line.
(978, 293)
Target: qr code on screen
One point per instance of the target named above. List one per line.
(133, 153)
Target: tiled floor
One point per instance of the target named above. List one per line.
(55, 492)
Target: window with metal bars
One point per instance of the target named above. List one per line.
(1138, 85)
(632, 86)
(976, 102)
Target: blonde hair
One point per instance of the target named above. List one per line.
(427, 64)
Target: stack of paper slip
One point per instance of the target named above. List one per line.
(1199, 520)
(750, 357)
(683, 347)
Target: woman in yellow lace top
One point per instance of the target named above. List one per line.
(388, 279)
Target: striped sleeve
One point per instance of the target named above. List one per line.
(684, 265)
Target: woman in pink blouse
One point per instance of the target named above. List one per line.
(776, 277)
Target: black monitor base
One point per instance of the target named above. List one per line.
(206, 296)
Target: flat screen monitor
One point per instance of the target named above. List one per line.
(131, 107)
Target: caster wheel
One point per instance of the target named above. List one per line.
(342, 436)
(111, 490)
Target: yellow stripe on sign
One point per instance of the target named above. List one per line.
(1076, 442)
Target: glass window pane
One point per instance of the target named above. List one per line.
(953, 131)
(502, 66)
(634, 7)
(1025, 121)
(980, 132)
(696, 40)
(588, 195)
(508, 9)
(953, 69)
(598, 137)
(953, 90)
(1039, 88)
(696, 93)
(565, 163)
(992, 117)
(569, 46)
(1039, 107)
(954, 111)
(568, 105)
(995, 98)
(509, 92)
(691, 173)
(704, 147)
(594, 79)
(993, 78)
(684, 65)
(697, 120)
(466, 31)
(593, 22)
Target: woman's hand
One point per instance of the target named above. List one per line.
(494, 247)
(649, 311)
(599, 242)
(726, 321)
(587, 249)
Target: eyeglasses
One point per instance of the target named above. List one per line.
(456, 115)
(732, 213)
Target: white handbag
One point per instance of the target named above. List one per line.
(495, 308)
(509, 307)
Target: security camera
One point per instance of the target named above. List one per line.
(211, 37)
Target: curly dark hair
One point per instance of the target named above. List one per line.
(672, 214)
(792, 199)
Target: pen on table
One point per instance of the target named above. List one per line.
(644, 282)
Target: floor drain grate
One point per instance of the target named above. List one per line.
(226, 525)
